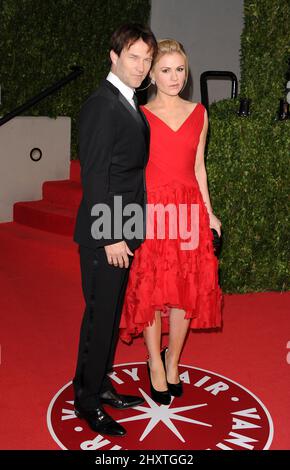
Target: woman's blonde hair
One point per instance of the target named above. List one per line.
(168, 46)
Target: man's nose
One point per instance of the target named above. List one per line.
(140, 66)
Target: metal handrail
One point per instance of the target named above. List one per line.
(210, 74)
(76, 71)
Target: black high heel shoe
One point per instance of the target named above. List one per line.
(164, 397)
(176, 390)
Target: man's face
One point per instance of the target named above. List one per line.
(133, 64)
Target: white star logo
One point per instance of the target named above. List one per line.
(162, 413)
(155, 413)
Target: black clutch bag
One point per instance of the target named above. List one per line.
(217, 242)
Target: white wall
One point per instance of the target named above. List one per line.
(21, 178)
(210, 32)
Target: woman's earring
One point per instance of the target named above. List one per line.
(153, 81)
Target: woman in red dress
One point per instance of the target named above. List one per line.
(173, 282)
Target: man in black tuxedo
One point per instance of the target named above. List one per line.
(113, 152)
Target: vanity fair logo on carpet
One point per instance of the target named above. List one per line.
(214, 412)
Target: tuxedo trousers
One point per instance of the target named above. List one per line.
(104, 287)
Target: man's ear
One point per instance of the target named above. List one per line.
(113, 57)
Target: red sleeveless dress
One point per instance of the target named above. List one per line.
(162, 274)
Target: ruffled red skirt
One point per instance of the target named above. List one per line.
(164, 276)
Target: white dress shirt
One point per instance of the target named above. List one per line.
(126, 91)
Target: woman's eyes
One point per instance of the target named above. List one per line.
(179, 69)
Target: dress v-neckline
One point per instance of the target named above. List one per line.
(179, 128)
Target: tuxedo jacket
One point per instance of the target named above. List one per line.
(113, 153)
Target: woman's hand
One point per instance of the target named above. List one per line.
(215, 223)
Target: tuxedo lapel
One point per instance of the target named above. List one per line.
(147, 133)
(131, 110)
(138, 116)
(141, 121)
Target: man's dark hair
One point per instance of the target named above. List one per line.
(128, 34)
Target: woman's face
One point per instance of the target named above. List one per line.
(169, 73)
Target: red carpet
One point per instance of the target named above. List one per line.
(41, 308)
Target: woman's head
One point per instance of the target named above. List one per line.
(170, 67)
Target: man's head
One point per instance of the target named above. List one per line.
(132, 49)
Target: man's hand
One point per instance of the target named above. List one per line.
(117, 254)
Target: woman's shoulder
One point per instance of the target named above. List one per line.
(148, 106)
(151, 106)
(191, 105)
(187, 106)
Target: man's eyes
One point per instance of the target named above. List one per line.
(135, 57)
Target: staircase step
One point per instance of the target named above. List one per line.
(75, 170)
(55, 251)
(64, 193)
(45, 215)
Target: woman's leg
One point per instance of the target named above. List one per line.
(177, 333)
(152, 336)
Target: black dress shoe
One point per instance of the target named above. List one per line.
(176, 390)
(162, 397)
(99, 421)
(112, 398)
